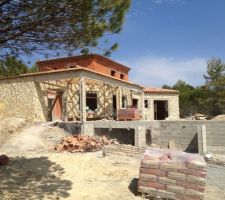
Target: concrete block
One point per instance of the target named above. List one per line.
(196, 180)
(176, 176)
(194, 193)
(148, 177)
(175, 189)
(165, 180)
(165, 194)
(147, 190)
(150, 164)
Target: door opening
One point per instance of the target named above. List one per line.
(134, 103)
(54, 105)
(160, 110)
(114, 110)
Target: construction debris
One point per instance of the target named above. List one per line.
(172, 174)
(83, 143)
(4, 159)
(199, 116)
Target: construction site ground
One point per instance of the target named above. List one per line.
(43, 174)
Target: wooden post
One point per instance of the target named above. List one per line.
(83, 114)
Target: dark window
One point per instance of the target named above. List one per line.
(113, 73)
(135, 103)
(91, 101)
(146, 103)
(124, 102)
(121, 76)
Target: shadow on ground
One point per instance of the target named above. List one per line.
(33, 178)
(133, 186)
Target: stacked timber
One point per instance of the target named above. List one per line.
(172, 175)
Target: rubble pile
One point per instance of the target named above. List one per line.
(172, 175)
(83, 143)
(4, 159)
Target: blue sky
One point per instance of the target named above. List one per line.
(166, 40)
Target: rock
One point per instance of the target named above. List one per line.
(4, 160)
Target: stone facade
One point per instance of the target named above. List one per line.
(59, 92)
(173, 105)
(25, 97)
(19, 98)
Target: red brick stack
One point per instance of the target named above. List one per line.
(128, 114)
(172, 175)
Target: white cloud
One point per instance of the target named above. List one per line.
(156, 71)
(167, 1)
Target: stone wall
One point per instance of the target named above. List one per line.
(19, 98)
(24, 97)
(173, 105)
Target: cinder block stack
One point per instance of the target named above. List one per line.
(172, 175)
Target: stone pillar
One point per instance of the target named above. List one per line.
(140, 136)
(142, 104)
(82, 100)
(87, 129)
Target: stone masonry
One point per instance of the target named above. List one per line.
(173, 105)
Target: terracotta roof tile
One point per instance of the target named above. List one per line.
(160, 90)
(82, 56)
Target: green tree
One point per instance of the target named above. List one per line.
(50, 26)
(185, 93)
(14, 67)
(215, 83)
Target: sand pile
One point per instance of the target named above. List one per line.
(35, 138)
(9, 127)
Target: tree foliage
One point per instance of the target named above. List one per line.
(207, 99)
(28, 26)
(215, 81)
(14, 67)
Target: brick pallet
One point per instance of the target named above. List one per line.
(128, 114)
(172, 175)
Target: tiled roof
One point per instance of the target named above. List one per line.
(66, 70)
(82, 56)
(160, 90)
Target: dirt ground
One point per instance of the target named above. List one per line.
(83, 177)
(69, 176)
(33, 174)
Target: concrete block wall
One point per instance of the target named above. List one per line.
(215, 137)
(186, 134)
(183, 133)
(124, 136)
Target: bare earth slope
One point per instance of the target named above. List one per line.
(36, 173)
(9, 127)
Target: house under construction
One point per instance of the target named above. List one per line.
(81, 88)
